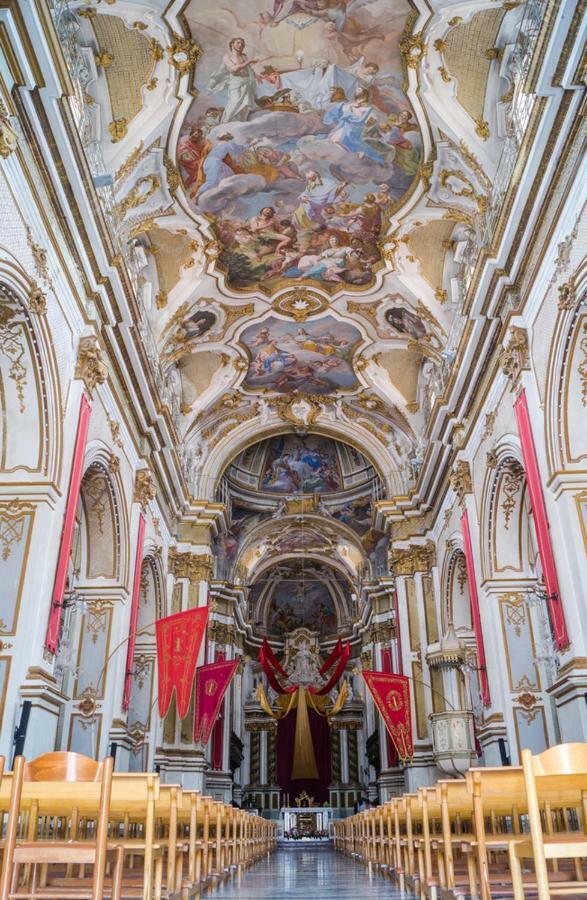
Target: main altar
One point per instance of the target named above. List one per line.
(305, 822)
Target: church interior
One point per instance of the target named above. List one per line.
(293, 458)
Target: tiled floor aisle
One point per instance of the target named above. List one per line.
(304, 873)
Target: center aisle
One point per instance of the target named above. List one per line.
(307, 873)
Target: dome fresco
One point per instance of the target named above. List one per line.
(294, 464)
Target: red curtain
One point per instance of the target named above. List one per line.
(75, 480)
(555, 608)
(285, 750)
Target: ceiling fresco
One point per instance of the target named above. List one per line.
(301, 464)
(315, 357)
(301, 140)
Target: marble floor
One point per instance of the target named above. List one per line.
(307, 873)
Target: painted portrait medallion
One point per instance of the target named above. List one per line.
(301, 140)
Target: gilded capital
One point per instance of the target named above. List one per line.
(515, 357)
(145, 488)
(413, 559)
(90, 366)
(195, 567)
(460, 480)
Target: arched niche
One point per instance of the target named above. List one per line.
(101, 523)
(30, 424)
(457, 600)
(509, 538)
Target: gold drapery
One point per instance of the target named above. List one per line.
(304, 760)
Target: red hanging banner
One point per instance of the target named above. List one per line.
(179, 638)
(536, 494)
(391, 694)
(134, 614)
(75, 480)
(475, 610)
(212, 683)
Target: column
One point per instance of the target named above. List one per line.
(416, 618)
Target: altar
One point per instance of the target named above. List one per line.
(303, 823)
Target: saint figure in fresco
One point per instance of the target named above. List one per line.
(349, 121)
(237, 77)
(191, 153)
(318, 194)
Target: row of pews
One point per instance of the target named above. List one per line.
(73, 828)
(499, 832)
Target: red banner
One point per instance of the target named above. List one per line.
(475, 609)
(212, 682)
(75, 480)
(179, 639)
(391, 694)
(134, 614)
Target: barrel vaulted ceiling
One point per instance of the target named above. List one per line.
(302, 181)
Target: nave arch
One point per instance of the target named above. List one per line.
(30, 391)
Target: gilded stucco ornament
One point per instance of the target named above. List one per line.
(118, 129)
(413, 49)
(37, 300)
(514, 358)
(90, 366)
(460, 480)
(566, 294)
(183, 53)
(300, 304)
(145, 488)
(8, 136)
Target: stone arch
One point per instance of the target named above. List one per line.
(566, 406)
(30, 395)
(456, 607)
(243, 435)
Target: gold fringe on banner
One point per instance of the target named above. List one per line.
(304, 761)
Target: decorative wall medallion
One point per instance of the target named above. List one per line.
(460, 480)
(300, 304)
(514, 358)
(527, 700)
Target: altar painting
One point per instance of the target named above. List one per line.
(305, 605)
(301, 465)
(300, 141)
(315, 358)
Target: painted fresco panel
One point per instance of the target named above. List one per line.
(301, 141)
(307, 604)
(301, 465)
(315, 358)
